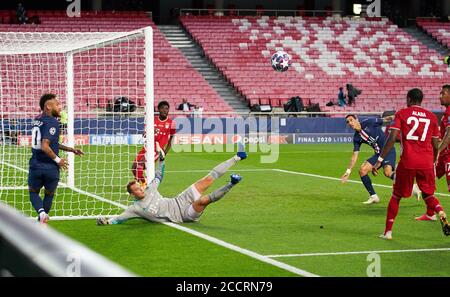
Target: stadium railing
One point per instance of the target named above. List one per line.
(268, 12)
(28, 249)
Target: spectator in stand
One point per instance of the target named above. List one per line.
(341, 97)
(185, 106)
(352, 93)
(21, 14)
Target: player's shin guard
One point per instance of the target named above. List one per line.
(48, 200)
(392, 212)
(368, 184)
(36, 201)
(219, 193)
(223, 167)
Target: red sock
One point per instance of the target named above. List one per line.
(138, 173)
(430, 212)
(392, 211)
(433, 203)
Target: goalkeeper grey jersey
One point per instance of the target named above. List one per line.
(155, 207)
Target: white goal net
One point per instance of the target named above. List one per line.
(88, 72)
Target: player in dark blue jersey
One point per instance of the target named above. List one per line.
(369, 132)
(45, 163)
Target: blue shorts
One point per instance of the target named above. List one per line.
(47, 178)
(389, 160)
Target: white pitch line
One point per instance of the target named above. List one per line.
(359, 252)
(246, 252)
(338, 179)
(209, 170)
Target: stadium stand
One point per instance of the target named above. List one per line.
(440, 31)
(373, 55)
(173, 75)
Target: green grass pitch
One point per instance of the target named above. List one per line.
(321, 222)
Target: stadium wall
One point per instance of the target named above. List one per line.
(283, 130)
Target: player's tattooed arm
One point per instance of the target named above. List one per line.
(77, 152)
(435, 142)
(445, 141)
(62, 163)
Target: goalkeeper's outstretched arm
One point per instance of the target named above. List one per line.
(159, 173)
(125, 216)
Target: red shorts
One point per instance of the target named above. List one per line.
(141, 156)
(404, 181)
(443, 166)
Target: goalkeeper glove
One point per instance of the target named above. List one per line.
(160, 151)
(102, 221)
(447, 60)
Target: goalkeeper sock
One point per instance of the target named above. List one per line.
(48, 200)
(222, 168)
(219, 193)
(368, 184)
(36, 201)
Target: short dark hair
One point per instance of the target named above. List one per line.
(350, 115)
(415, 95)
(45, 98)
(129, 185)
(163, 103)
(447, 87)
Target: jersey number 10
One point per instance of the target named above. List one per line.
(415, 121)
(36, 138)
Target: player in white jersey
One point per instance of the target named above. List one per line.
(186, 207)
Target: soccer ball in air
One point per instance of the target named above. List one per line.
(281, 61)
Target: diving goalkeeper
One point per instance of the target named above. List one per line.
(186, 207)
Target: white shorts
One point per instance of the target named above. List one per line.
(185, 200)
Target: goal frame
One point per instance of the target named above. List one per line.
(147, 34)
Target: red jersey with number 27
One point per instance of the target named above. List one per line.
(417, 127)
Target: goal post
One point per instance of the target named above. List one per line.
(88, 71)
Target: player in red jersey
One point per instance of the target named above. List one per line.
(164, 132)
(443, 164)
(420, 140)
